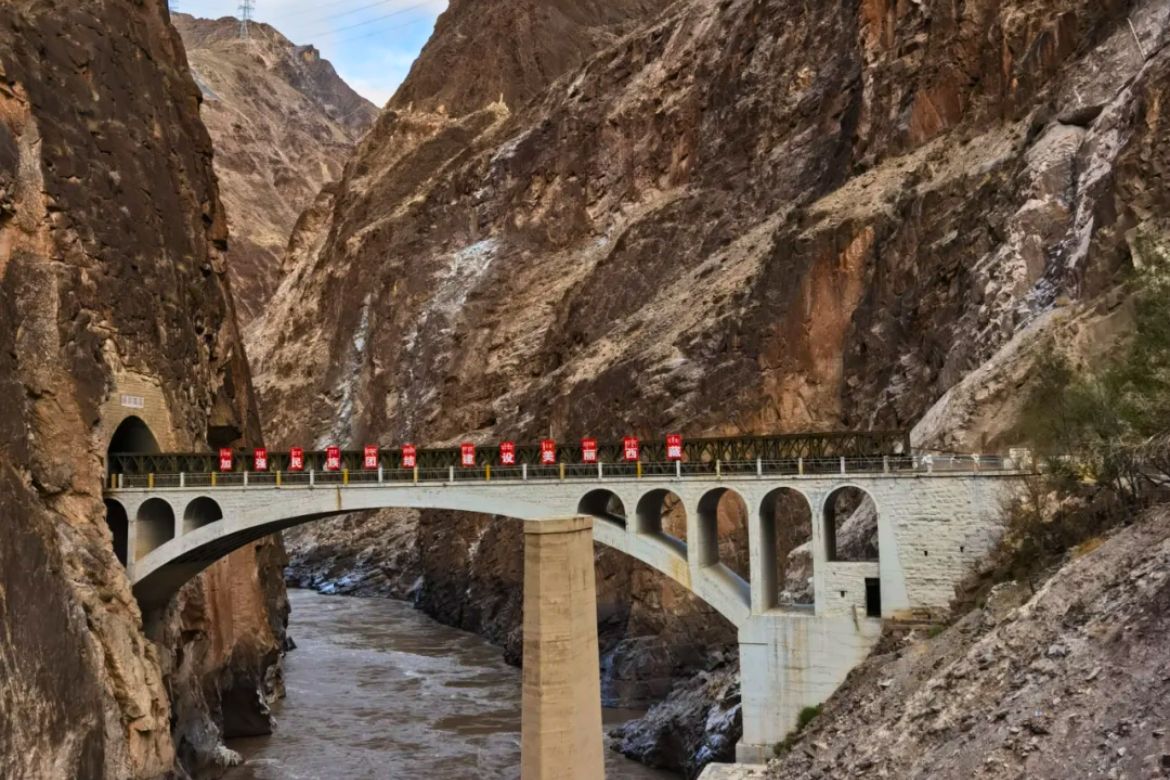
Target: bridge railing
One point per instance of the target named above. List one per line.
(793, 467)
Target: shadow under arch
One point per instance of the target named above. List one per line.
(200, 512)
(786, 525)
(119, 524)
(604, 505)
(661, 515)
(727, 500)
(850, 519)
(155, 527)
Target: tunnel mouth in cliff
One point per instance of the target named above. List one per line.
(132, 436)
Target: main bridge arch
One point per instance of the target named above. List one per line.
(211, 523)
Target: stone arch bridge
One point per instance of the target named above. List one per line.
(935, 518)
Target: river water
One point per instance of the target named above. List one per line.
(376, 689)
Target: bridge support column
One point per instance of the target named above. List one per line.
(560, 732)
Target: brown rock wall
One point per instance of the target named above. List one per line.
(112, 245)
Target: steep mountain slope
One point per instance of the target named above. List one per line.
(1069, 682)
(750, 216)
(282, 123)
(112, 277)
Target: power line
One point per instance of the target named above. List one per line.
(376, 19)
(351, 11)
(403, 26)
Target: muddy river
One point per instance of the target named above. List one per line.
(376, 689)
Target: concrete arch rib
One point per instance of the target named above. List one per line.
(161, 572)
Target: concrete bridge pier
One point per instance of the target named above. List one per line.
(560, 731)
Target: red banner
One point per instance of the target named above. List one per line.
(630, 448)
(409, 456)
(548, 452)
(225, 459)
(674, 447)
(296, 459)
(589, 450)
(333, 459)
(507, 453)
(370, 457)
(467, 454)
(260, 459)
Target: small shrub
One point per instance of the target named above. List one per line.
(806, 717)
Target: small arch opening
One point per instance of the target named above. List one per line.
(155, 526)
(723, 518)
(200, 512)
(661, 513)
(786, 554)
(603, 505)
(851, 525)
(119, 525)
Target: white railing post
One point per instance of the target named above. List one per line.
(678, 469)
(976, 457)
(312, 477)
(121, 481)
(450, 473)
(759, 468)
(885, 464)
(381, 475)
(842, 464)
(524, 471)
(718, 469)
(182, 479)
(245, 479)
(800, 466)
(599, 469)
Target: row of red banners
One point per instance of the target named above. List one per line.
(467, 457)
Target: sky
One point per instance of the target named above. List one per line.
(371, 43)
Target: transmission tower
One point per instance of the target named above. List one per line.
(246, 7)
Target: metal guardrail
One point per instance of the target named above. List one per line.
(487, 473)
(810, 446)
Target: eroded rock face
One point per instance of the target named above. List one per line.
(282, 122)
(112, 244)
(1070, 682)
(745, 217)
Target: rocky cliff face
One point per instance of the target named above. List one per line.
(750, 216)
(112, 276)
(1068, 682)
(282, 122)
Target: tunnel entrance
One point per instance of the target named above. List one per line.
(132, 436)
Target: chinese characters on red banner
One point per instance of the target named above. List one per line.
(589, 450)
(409, 456)
(260, 459)
(630, 448)
(674, 447)
(548, 452)
(370, 457)
(296, 459)
(332, 458)
(507, 454)
(225, 459)
(467, 454)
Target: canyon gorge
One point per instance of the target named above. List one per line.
(572, 218)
